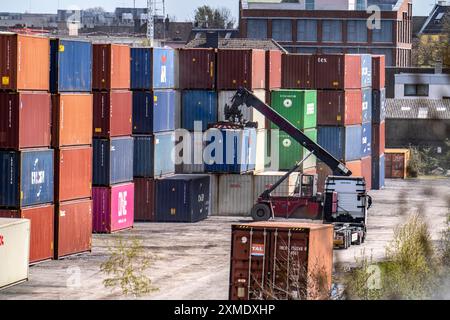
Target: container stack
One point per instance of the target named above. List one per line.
(26, 159)
(378, 122)
(72, 114)
(113, 191)
(156, 112)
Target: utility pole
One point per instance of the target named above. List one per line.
(150, 22)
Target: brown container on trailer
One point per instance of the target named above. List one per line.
(144, 199)
(323, 172)
(355, 167)
(273, 69)
(298, 71)
(72, 119)
(366, 171)
(378, 72)
(111, 67)
(339, 107)
(197, 68)
(338, 71)
(378, 139)
(113, 114)
(24, 63)
(42, 230)
(25, 120)
(263, 254)
(396, 163)
(73, 173)
(73, 228)
(241, 68)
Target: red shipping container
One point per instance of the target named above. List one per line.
(73, 228)
(111, 67)
(339, 108)
(72, 119)
(113, 114)
(42, 230)
(241, 68)
(378, 72)
(378, 139)
(25, 120)
(273, 69)
(298, 71)
(338, 71)
(366, 168)
(323, 172)
(73, 173)
(197, 69)
(24, 63)
(144, 199)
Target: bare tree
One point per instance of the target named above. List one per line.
(214, 18)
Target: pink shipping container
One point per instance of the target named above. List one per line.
(273, 69)
(366, 168)
(113, 208)
(378, 72)
(338, 71)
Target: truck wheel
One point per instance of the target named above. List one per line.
(261, 212)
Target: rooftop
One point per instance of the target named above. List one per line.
(435, 22)
(239, 44)
(418, 109)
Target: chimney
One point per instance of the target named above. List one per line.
(212, 40)
(167, 23)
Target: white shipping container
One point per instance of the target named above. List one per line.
(235, 195)
(14, 251)
(214, 195)
(266, 180)
(250, 114)
(261, 148)
(195, 149)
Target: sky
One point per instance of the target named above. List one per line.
(181, 9)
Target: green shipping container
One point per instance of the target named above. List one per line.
(291, 152)
(298, 106)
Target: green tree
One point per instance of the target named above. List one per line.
(214, 18)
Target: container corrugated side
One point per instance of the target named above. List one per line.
(366, 70)
(378, 172)
(291, 152)
(199, 106)
(366, 140)
(367, 105)
(344, 143)
(164, 154)
(113, 114)
(378, 105)
(265, 180)
(71, 66)
(144, 199)
(378, 72)
(15, 234)
(378, 139)
(366, 168)
(197, 68)
(111, 67)
(235, 195)
(338, 71)
(25, 120)
(298, 71)
(273, 69)
(190, 158)
(339, 108)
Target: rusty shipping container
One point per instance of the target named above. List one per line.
(73, 173)
(24, 63)
(366, 171)
(72, 115)
(397, 161)
(197, 69)
(378, 139)
(337, 71)
(241, 68)
(25, 119)
(273, 69)
(111, 67)
(144, 199)
(268, 255)
(339, 107)
(73, 228)
(378, 72)
(298, 71)
(113, 114)
(42, 230)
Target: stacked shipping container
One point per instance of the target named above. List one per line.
(113, 191)
(72, 114)
(27, 162)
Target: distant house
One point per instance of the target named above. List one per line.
(422, 86)
(235, 44)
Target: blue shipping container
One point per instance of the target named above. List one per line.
(378, 106)
(366, 140)
(378, 172)
(152, 68)
(191, 156)
(366, 70)
(344, 143)
(366, 105)
(200, 106)
(70, 66)
(154, 112)
(144, 156)
(113, 161)
(164, 154)
(27, 178)
(228, 151)
(182, 198)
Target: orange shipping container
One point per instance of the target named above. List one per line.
(111, 67)
(366, 171)
(355, 167)
(72, 120)
(24, 62)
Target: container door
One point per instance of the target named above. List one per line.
(398, 166)
(388, 166)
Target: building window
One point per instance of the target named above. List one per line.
(332, 50)
(257, 29)
(356, 31)
(282, 30)
(384, 34)
(309, 5)
(417, 90)
(331, 31)
(307, 30)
